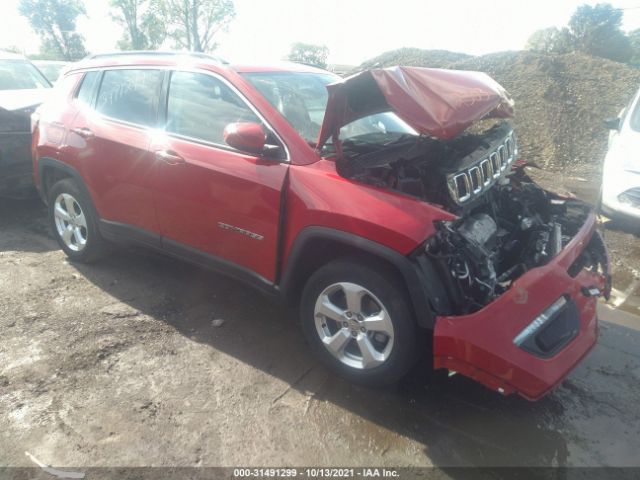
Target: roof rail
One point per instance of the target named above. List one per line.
(159, 53)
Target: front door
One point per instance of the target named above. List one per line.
(211, 198)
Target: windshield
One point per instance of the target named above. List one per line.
(20, 75)
(300, 97)
(51, 70)
(378, 128)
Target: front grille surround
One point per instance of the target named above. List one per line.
(483, 173)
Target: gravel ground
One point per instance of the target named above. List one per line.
(141, 360)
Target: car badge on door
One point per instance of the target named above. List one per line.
(226, 226)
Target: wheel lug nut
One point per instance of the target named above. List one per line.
(345, 324)
(360, 317)
(349, 314)
(362, 329)
(354, 333)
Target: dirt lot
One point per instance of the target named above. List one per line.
(120, 364)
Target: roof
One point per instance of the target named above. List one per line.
(282, 66)
(50, 62)
(195, 59)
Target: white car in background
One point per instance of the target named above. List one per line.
(621, 173)
(50, 68)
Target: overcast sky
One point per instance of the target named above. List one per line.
(354, 30)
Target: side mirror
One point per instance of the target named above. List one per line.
(245, 136)
(612, 123)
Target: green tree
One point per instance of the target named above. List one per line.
(55, 23)
(309, 54)
(596, 31)
(143, 23)
(195, 23)
(551, 40)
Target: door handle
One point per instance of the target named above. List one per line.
(169, 157)
(84, 132)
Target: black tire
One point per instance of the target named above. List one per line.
(390, 291)
(95, 247)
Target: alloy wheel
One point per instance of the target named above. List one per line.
(353, 325)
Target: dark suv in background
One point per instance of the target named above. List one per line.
(367, 203)
(22, 89)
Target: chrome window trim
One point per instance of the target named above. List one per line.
(178, 68)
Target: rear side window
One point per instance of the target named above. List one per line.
(200, 106)
(87, 90)
(130, 95)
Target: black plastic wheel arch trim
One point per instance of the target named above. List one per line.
(414, 281)
(47, 162)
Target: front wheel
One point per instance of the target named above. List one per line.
(359, 321)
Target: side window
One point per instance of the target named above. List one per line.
(201, 106)
(130, 95)
(87, 91)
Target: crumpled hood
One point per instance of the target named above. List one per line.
(18, 99)
(437, 102)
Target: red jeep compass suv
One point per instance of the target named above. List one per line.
(389, 207)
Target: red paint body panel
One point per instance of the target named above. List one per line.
(481, 346)
(216, 185)
(54, 117)
(118, 169)
(319, 196)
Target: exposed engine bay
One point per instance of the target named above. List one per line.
(507, 224)
(517, 227)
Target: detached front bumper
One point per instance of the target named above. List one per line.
(494, 347)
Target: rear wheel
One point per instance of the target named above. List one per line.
(74, 222)
(358, 320)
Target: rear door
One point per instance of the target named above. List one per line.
(112, 136)
(211, 198)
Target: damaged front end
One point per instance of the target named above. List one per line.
(513, 280)
(506, 225)
(516, 227)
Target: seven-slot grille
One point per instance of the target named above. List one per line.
(465, 185)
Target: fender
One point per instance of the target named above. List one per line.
(45, 162)
(416, 282)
